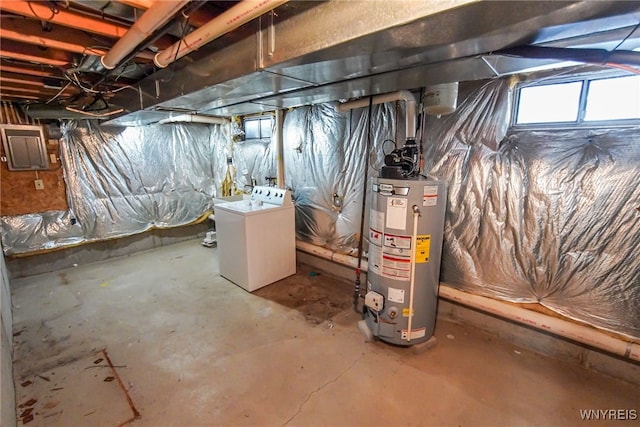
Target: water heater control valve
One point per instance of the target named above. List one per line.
(374, 301)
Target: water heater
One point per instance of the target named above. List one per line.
(405, 246)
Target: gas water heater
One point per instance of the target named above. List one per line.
(405, 246)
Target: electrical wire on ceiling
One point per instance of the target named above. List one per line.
(182, 36)
(54, 11)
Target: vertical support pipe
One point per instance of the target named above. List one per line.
(414, 238)
(279, 149)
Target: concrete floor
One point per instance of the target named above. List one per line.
(160, 339)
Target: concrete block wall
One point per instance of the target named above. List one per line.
(7, 388)
(100, 251)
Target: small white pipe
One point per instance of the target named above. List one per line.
(194, 118)
(156, 16)
(279, 149)
(402, 95)
(412, 263)
(564, 328)
(227, 21)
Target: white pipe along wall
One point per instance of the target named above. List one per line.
(227, 21)
(564, 328)
(194, 118)
(156, 16)
(402, 95)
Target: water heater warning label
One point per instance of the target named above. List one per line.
(375, 237)
(430, 195)
(415, 333)
(423, 248)
(395, 295)
(396, 213)
(396, 267)
(395, 241)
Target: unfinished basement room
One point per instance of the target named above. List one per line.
(319, 213)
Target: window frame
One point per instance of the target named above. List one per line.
(579, 123)
(259, 119)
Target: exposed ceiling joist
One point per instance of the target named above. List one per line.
(45, 92)
(6, 96)
(138, 4)
(6, 78)
(34, 54)
(42, 12)
(30, 70)
(56, 37)
(72, 19)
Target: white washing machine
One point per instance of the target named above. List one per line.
(257, 238)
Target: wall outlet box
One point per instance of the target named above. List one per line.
(53, 158)
(39, 184)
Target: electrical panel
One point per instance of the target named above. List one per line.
(24, 147)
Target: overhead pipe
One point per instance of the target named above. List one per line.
(154, 17)
(227, 21)
(557, 326)
(194, 118)
(402, 95)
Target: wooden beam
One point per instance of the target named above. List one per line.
(67, 39)
(201, 17)
(62, 38)
(41, 12)
(11, 78)
(30, 53)
(138, 4)
(30, 70)
(13, 97)
(27, 88)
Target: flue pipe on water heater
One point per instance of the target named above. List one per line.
(156, 16)
(227, 21)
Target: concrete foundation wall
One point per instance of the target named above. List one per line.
(100, 251)
(519, 335)
(542, 342)
(7, 388)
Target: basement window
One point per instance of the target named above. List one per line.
(257, 128)
(593, 101)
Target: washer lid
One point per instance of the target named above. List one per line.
(249, 207)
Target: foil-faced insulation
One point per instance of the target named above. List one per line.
(325, 157)
(540, 216)
(123, 181)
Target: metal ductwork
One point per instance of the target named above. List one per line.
(308, 52)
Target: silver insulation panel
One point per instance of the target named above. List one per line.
(539, 216)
